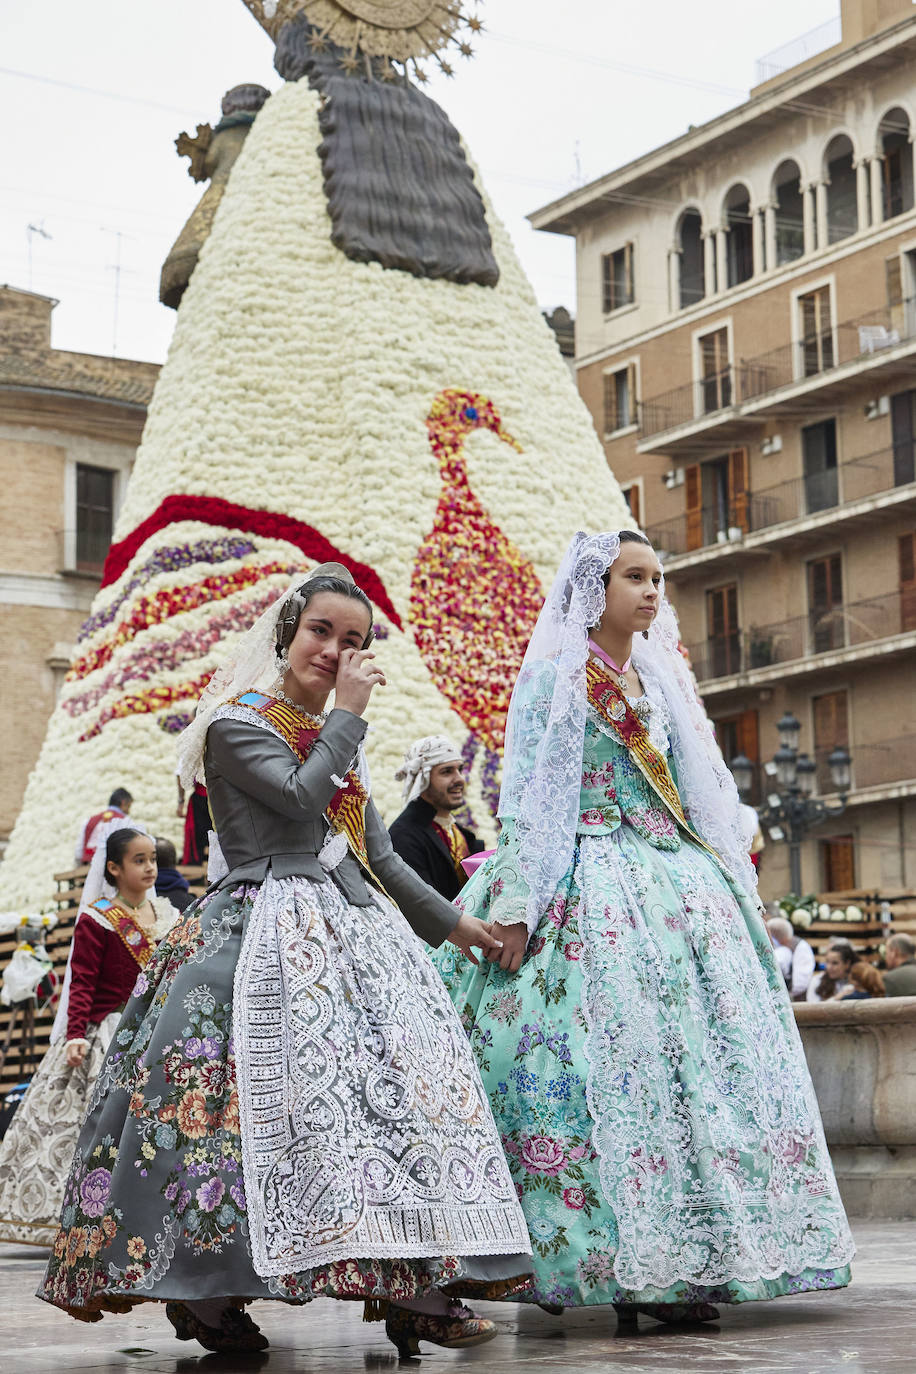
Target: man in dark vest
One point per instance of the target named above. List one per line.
(425, 834)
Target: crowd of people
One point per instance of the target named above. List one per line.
(274, 1091)
(845, 973)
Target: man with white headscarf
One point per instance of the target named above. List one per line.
(425, 834)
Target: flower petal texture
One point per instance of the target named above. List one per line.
(428, 432)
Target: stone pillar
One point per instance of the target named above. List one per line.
(709, 266)
(757, 242)
(862, 1058)
(770, 235)
(674, 280)
(823, 237)
(862, 194)
(721, 258)
(877, 190)
(808, 219)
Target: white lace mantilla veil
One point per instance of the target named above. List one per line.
(95, 886)
(252, 666)
(546, 722)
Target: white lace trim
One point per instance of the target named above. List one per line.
(768, 1204)
(365, 1127)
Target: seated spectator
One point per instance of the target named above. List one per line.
(794, 956)
(900, 958)
(169, 882)
(119, 804)
(864, 981)
(834, 977)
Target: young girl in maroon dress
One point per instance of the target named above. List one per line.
(113, 940)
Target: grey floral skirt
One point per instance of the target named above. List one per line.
(155, 1205)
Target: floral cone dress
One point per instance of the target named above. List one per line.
(156, 1205)
(644, 1066)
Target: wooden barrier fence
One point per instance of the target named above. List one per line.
(883, 913)
(57, 943)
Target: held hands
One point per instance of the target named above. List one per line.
(76, 1052)
(356, 676)
(515, 942)
(469, 931)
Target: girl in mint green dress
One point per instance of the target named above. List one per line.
(636, 1040)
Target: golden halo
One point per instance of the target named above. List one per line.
(401, 30)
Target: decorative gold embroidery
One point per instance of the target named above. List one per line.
(611, 704)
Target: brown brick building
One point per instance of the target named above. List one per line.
(746, 343)
(69, 427)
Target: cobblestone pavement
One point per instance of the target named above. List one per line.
(867, 1329)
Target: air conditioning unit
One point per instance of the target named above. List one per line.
(772, 444)
(881, 405)
(674, 478)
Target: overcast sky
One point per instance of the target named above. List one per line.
(93, 93)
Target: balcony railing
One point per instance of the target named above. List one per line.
(805, 636)
(750, 379)
(873, 765)
(793, 500)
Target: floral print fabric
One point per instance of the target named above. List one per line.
(646, 1073)
(155, 1205)
(38, 1146)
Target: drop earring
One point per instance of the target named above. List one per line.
(282, 669)
(645, 634)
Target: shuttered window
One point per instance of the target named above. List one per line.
(631, 496)
(620, 398)
(816, 331)
(716, 498)
(617, 279)
(893, 276)
(826, 619)
(724, 634)
(838, 863)
(740, 734)
(903, 436)
(831, 730)
(715, 371)
(693, 496)
(738, 489)
(94, 516)
(906, 553)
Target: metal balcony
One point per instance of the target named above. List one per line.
(680, 420)
(776, 512)
(803, 638)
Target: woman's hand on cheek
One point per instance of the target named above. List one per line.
(356, 676)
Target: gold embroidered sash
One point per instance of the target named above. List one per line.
(346, 812)
(612, 706)
(137, 941)
(457, 846)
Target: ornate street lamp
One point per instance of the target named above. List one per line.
(794, 810)
(789, 731)
(743, 773)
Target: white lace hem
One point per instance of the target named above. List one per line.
(769, 1233)
(365, 1128)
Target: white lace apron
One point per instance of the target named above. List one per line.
(366, 1131)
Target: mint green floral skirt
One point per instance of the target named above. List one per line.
(649, 1085)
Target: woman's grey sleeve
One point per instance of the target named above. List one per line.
(427, 911)
(255, 761)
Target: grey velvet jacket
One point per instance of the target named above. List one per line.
(268, 809)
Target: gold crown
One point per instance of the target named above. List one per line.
(399, 30)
